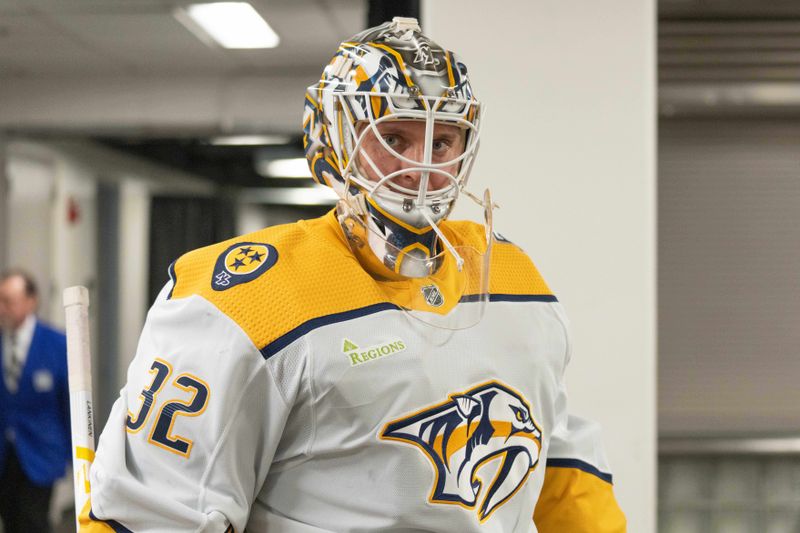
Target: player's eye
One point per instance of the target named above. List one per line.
(391, 140)
(441, 145)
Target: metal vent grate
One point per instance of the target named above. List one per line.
(732, 58)
(729, 50)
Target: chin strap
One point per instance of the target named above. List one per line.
(488, 206)
(458, 258)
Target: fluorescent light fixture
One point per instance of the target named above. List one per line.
(284, 168)
(316, 195)
(231, 24)
(250, 140)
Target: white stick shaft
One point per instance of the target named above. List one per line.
(79, 363)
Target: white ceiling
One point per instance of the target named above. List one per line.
(129, 67)
(56, 38)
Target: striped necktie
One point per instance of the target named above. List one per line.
(13, 367)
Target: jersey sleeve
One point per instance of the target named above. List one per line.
(577, 494)
(189, 441)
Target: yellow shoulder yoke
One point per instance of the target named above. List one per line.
(305, 271)
(303, 283)
(512, 272)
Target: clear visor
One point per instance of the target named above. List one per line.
(448, 290)
(452, 298)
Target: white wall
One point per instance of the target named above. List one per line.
(74, 237)
(57, 249)
(31, 184)
(568, 148)
(134, 245)
(47, 179)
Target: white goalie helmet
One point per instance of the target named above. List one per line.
(387, 75)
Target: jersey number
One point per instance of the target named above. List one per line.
(161, 434)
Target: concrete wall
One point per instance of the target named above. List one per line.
(568, 149)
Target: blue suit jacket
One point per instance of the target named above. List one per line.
(38, 414)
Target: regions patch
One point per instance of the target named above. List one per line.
(487, 424)
(359, 356)
(242, 262)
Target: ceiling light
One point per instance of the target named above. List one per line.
(250, 140)
(230, 24)
(284, 168)
(316, 195)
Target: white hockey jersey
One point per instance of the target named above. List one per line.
(277, 388)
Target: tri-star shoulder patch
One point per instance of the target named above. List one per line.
(242, 262)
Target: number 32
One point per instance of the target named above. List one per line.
(161, 434)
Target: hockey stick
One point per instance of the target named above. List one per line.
(79, 363)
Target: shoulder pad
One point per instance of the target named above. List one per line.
(278, 278)
(511, 272)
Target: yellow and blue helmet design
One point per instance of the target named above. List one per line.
(392, 72)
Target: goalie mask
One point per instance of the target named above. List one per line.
(393, 127)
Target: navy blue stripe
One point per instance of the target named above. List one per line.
(580, 465)
(113, 524)
(511, 298)
(285, 340)
(522, 298)
(171, 271)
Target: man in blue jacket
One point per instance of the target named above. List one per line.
(34, 407)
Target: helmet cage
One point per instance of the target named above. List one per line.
(353, 140)
(338, 113)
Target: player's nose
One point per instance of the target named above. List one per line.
(412, 179)
(411, 175)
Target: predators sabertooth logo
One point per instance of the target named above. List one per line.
(490, 423)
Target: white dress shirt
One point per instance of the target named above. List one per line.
(15, 349)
